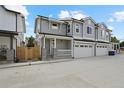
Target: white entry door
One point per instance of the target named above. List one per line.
(83, 50)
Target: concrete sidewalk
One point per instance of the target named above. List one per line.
(28, 63)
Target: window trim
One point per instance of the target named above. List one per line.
(68, 28)
(89, 30)
(54, 27)
(77, 26)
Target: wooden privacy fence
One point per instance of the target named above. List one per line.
(28, 53)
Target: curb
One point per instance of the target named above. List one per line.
(32, 63)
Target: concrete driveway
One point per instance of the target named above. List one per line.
(94, 72)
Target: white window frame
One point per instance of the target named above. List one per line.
(101, 33)
(54, 27)
(77, 26)
(68, 28)
(90, 30)
(107, 35)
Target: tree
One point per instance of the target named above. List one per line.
(30, 41)
(114, 40)
(122, 44)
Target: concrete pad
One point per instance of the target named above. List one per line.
(93, 72)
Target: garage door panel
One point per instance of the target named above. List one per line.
(101, 50)
(83, 50)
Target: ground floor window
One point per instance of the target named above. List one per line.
(3, 52)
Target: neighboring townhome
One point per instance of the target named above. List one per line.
(52, 37)
(12, 28)
(103, 39)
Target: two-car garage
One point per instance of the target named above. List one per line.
(89, 49)
(83, 49)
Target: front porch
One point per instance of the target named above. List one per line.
(56, 47)
(116, 47)
(7, 47)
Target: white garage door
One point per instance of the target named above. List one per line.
(83, 50)
(101, 50)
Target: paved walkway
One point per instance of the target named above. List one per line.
(105, 71)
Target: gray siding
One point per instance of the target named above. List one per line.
(7, 20)
(89, 36)
(46, 27)
(103, 37)
(20, 24)
(80, 33)
(73, 29)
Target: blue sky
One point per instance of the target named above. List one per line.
(113, 16)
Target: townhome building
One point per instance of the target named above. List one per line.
(71, 38)
(52, 38)
(103, 39)
(12, 29)
(83, 33)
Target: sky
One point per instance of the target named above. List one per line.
(112, 16)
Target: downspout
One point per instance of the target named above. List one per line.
(41, 40)
(96, 34)
(15, 53)
(73, 39)
(83, 30)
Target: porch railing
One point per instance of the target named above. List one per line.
(63, 52)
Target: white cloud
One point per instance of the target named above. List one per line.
(64, 14)
(117, 17)
(71, 14)
(50, 15)
(111, 20)
(111, 27)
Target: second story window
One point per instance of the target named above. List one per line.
(68, 28)
(102, 33)
(77, 28)
(89, 30)
(55, 26)
(107, 34)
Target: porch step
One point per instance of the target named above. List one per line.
(49, 57)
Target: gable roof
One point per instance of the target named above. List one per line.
(72, 19)
(102, 23)
(9, 9)
(87, 18)
(51, 19)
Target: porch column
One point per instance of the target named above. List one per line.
(113, 46)
(54, 49)
(119, 47)
(72, 50)
(44, 42)
(43, 52)
(54, 42)
(11, 42)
